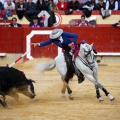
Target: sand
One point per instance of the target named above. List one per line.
(49, 105)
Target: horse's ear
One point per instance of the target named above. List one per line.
(92, 44)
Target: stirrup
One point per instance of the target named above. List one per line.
(81, 79)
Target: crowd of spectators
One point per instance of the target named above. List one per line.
(40, 8)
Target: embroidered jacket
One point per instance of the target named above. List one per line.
(67, 38)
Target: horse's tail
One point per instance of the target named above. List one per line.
(45, 66)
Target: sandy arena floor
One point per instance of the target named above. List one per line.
(49, 105)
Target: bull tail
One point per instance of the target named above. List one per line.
(45, 66)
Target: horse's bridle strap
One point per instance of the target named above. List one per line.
(84, 62)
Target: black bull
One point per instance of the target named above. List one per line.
(13, 81)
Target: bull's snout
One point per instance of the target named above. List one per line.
(32, 96)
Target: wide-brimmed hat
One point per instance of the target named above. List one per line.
(56, 33)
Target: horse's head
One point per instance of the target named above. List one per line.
(86, 52)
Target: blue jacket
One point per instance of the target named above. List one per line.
(66, 40)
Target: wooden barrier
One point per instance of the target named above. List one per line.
(13, 40)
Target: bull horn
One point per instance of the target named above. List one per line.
(31, 80)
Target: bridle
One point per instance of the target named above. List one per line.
(86, 55)
(90, 55)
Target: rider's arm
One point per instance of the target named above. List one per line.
(72, 35)
(45, 43)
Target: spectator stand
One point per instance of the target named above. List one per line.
(4, 23)
(63, 20)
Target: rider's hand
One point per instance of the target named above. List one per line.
(35, 44)
(70, 45)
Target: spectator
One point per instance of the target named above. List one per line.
(3, 1)
(73, 5)
(1, 6)
(30, 10)
(52, 6)
(20, 9)
(52, 18)
(83, 1)
(116, 24)
(101, 5)
(118, 4)
(41, 5)
(112, 5)
(83, 22)
(97, 1)
(14, 23)
(35, 22)
(88, 7)
(2, 12)
(62, 5)
(9, 6)
(34, 1)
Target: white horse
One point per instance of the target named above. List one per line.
(85, 62)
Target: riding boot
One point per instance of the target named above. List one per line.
(80, 76)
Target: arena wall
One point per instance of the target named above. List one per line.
(13, 41)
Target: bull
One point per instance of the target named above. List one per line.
(12, 82)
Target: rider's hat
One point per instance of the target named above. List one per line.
(56, 33)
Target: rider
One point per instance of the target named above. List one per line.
(63, 40)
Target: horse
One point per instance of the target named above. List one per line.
(85, 62)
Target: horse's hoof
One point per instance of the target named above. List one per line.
(100, 99)
(71, 97)
(111, 97)
(8, 108)
(63, 95)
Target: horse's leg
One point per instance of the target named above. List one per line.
(70, 93)
(63, 89)
(96, 87)
(69, 90)
(70, 71)
(105, 91)
(98, 93)
(65, 85)
(67, 78)
(108, 94)
(99, 85)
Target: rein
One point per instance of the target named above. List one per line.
(85, 63)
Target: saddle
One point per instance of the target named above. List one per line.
(72, 69)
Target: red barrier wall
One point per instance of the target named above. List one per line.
(13, 40)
